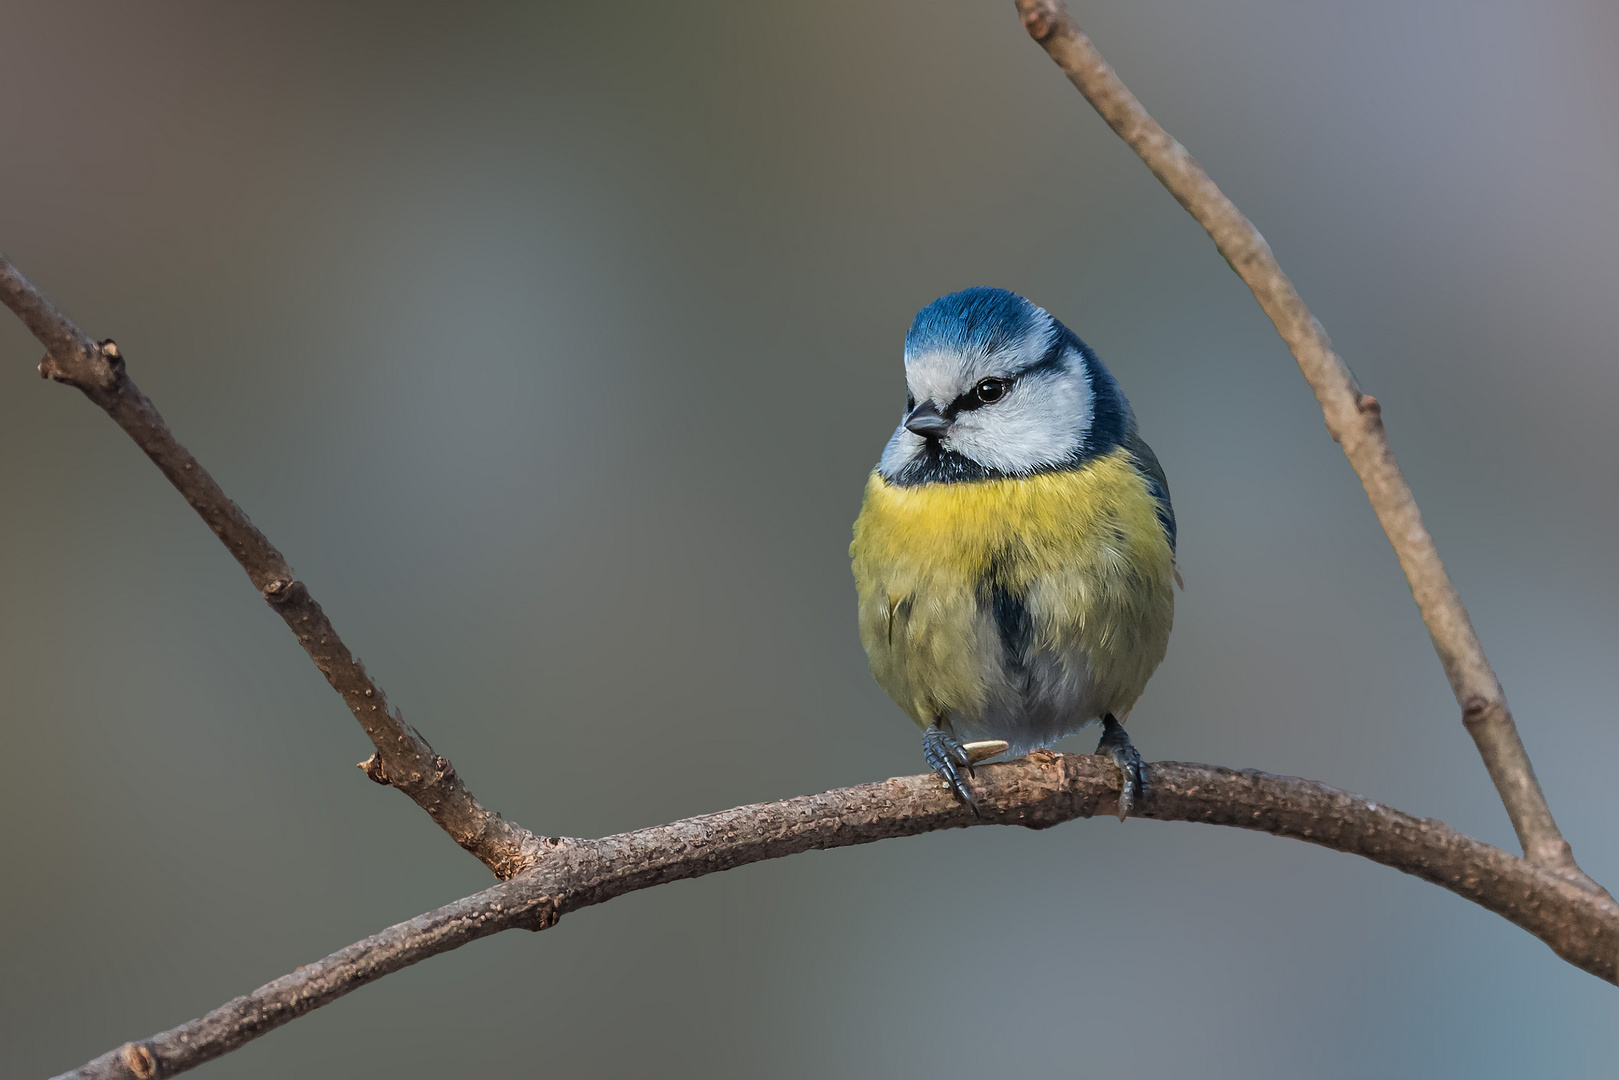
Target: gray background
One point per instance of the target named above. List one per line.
(553, 345)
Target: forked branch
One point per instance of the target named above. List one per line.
(1038, 791)
(1544, 893)
(403, 758)
(1354, 420)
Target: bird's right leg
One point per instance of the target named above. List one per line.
(1117, 745)
(945, 756)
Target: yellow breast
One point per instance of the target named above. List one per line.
(1082, 549)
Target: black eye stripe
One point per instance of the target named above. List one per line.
(976, 399)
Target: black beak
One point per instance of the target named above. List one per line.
(925, 421)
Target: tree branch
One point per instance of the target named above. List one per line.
(1354, 420)
(1038, 791)
(403, 758)
(1544, 893)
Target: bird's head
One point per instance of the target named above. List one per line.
(996, 387)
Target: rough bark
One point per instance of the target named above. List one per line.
(1037, 792)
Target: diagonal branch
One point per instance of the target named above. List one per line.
(1354, 420)
(403, 758)
(1543, 893)
(1038, 791)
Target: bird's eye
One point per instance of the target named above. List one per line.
(910, 401)
(990, 391)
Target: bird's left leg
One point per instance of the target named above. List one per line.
(1117, 745)
(945, 756)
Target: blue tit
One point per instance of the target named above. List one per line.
(1015, 551)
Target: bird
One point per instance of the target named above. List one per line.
(1015, 549)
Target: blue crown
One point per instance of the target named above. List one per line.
(979, 320)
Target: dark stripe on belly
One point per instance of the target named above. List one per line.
(1014, 624)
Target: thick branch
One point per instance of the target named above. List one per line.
(1039, 791)
(1354, 420)
(403, 758)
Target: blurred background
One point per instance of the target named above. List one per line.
(490, 316)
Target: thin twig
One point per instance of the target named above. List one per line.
(403, 758)
(1039, 791)
(1354, 420)
(1545, 893)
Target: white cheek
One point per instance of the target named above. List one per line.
(1037, 426)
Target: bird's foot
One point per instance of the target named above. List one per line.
(946, 756)
(1117, 745)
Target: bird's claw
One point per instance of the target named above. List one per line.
(946, 756)
(1117, 745)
